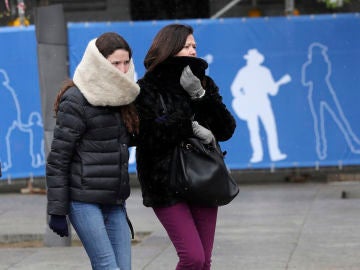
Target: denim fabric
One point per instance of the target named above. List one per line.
(104, 233)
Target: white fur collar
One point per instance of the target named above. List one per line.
(101, 83)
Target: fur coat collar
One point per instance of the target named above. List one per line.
(168, 73)
(101, 83)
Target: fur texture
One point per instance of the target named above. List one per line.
(160, 132)
(101, 83)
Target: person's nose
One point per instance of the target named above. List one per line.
(122, 68)
(192, 51)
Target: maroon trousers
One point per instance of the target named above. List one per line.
(191, 230)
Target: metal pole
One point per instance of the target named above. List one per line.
(52, 52)
(225, 9)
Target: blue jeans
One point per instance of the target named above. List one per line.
(104, 233)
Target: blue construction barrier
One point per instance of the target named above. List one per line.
(292, 83)
(21, 128)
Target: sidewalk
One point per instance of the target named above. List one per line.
(302, 226)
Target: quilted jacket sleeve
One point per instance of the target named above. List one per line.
(69, 127)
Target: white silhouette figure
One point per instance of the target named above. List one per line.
(8, 123)
(37, 145)
(316, 74)
(12, 121)
(209, 58)
(251, 89)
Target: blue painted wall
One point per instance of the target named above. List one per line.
(293, 85)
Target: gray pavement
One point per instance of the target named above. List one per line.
(295, 226)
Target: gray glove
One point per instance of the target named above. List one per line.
(202, 133)
(191, 84)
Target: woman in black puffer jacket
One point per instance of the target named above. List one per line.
(87, 167)
(174, 72)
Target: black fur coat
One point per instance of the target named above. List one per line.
(160, 132)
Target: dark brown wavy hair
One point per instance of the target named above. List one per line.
(107, 43)
(168, 42)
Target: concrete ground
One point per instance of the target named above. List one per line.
(274, 226)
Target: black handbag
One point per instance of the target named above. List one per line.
(199, 174)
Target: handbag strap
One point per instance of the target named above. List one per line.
(165, 110)
(163, 104)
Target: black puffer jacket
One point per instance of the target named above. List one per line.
(88, 160)
(89, 155)
(160, 133)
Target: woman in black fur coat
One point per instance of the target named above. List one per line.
(174, 72)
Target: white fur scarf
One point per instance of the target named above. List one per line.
(101, 83)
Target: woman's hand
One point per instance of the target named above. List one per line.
(191, 84)
(202, 133)
(59, 225)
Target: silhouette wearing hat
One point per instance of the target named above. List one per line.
(251, 89)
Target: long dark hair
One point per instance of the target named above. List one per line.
(168, 42)
(107, 43)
